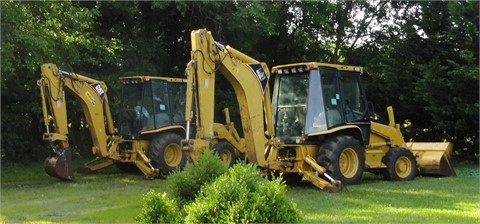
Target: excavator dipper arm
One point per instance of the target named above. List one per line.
(248, 78)
(93, 97)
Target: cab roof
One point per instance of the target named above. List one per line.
(149, 78)
(313, 65)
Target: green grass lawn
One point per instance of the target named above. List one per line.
(110, 196)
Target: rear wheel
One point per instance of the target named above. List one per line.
(166, 153)
(226, 152)
(401, 165)
(343, 157)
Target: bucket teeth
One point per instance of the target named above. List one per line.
(59, 164)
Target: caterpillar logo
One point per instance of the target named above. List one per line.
(99, 90)
(258, 71)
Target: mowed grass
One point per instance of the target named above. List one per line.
(111, 196)
(424, 200)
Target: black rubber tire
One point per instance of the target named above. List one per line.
(344, 158)
(401, 165)
(166, 153)
(226, 152)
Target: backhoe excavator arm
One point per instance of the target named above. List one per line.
(248, 78)
(93, 97)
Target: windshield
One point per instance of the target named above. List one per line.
(353, 98)
(168, 104)
(150, 105)
(291, 101)
(136, 108)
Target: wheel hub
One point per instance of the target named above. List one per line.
(225, 156)
(403, 167)
(348, 162)
(173, 155)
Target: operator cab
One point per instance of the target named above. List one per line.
(150, 103)
(311, 99)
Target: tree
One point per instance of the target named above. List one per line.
(421, 57)
(426, 67)
(449, 85)
(34, 33)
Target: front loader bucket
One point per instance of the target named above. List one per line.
(59, 164)
(433, 158)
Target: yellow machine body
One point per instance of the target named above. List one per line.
(249, 79)
(432, 158)
(309, 154)
(109, 146)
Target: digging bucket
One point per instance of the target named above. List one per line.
(59, 164)
(433, 158)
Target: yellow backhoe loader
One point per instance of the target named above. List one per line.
(150, 124)
(315, 125)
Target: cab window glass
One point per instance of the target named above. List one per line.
(353, 100)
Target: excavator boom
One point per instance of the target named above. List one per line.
(209, 56)
(93, 97)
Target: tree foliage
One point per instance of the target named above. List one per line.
(428, 70)
(242, 195)
(185, 185)
(209, 192)
(159, 208)
(421, 57)
(34, 33)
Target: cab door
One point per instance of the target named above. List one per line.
(354, 102)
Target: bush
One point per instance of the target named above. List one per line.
(159, 208)
(242, 196)
(185, 185)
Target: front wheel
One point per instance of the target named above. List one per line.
(401, 165)
(343, 157)
(166, 153)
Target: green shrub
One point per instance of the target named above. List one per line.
(242, 196)
(185, 185)
(159, 208)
